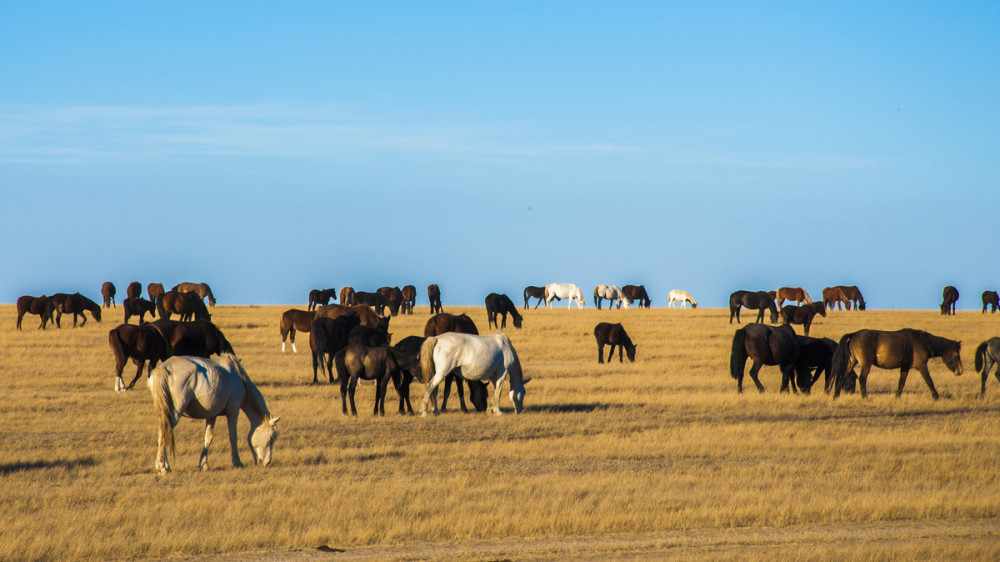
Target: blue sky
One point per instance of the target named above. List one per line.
(268, 149)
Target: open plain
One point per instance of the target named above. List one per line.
(654, 459)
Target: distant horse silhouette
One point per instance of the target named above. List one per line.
(321, 297)
(75, 304)
(682, 297)
(377, 301)
(295, 319)
(987, 355)
(834, 297)
(199, 338)
(501, 304)
(476, 358)
(138, 306)
(612, 293)
(364, 312)
(903, 349)
(393, 299)
(849, 295)
(754, 300)
(42, 306)
(108, 292)
(188, 304)
(637, 293)
(134, 289)
(202, 289)
(369, 363)
(614, 334)
(797, 294)
(766, 345)
(443, 323)
(561, 291)
(991, 299)
(141, 344)
(949, 297)
(434, 296)
(532, 292)
(792, 314)
(347, 296)
(409, 299)
(154, 291)
(328, 336)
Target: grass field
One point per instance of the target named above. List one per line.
(660, 458)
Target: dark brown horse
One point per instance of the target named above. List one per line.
(369, 337)
(815, 359)
(636, 293)
(321, 297)
(949, 296)
(370, 363)
(188, 304)
(409, 299)
(108, 292)
(615, 335)
(154, 291)
(377, 301)
(443, 323)
(502, 305)
(75, 304)
(295, 319)
(133, 290)
(138, 306)
(804, 314)
(434, 296)
(987, 355)
(202, 289)
(199, 338)
(347, 296)
(991, 299)
(797, 294)
(532, 292)
(365, 313)
(853, 296)
(42, 306)
(755, 300)
(392, 297)
(766, 345)
(140, 344)
(903, 349)
(327, 336)
(407, 354)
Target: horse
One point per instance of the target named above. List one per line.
(797, 294)
(202, 289)
(834, 297)
(637, 293)
(991, 299)
(409, 299)
(76, 304)
(501, 304)
(434, 296)
(903, 349)
(758, 300)
(766, 345)
(347, 296)
(564, 291)
(370, 363)
(134, 289)
(199, 338)
(369, 337)
(154, 291)
(140, 344)
(364, 312)
(532, 292)
(478, 358)
(613, 293)
(376, 301)
(615, 335)
(682, 297)
(853, 296)
(108, 292)
(327, 336)
(138, 306)
(42, 306)
(987, 354)
(188, 304)
(321, 297)
(949, 297)
(204, 389)
(804, 314)
(295, 319)
(443, 323)
(814, 353)
(393, 298)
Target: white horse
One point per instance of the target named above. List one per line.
(564, 291)
(682, 297)
(611, 292)
(480, 358)
(204, 389)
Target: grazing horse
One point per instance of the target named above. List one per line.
(140, 344)
(138, 306)
(199, 338)
(834, 297)
(188, 304)
(108, 292)
(797, 294)
(376, 301)
(76, 304)
(756, 300)
(321, 297)
(202, 289)
(443, 323)
(204, 389)
(134, 289)
(434, 296)
(370, 363)
(987, 354)
(814, 354)
(949, 297)
(766, 345)
(409, 299)
(613, 293)
(407, 354)
(393, 299)
(328, 336)
(501, 304)
(852, 295)
(42, 306)
(478, 358)
(804, 314)
(295, 319)
(347, 296)
(532, 292)
(614, 334)
(682, 297)
(903, 349)
(154, 291)
(991, 299)
(364, 312)
(564, 291)
(637, 293)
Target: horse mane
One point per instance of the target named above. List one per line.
(937, 344)
(255, 399)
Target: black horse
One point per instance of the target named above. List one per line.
(199, 338)
(375, 300)
(757, 300)
(991, 299)
(501, 304)
(815, 360)
(766, 345)
(615, 335)
(369, 337)
(321, 297)
(327, 336)
(636, 293)
(948, 299)
(804, 314)
(532, 292)
(370, 363)
(138, 306)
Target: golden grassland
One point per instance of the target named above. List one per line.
(657, 458)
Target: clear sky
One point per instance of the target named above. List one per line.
(269, 148)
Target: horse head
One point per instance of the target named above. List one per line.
(262, 440)
(517, 395)
(953, 358)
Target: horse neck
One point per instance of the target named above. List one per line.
(938, 345)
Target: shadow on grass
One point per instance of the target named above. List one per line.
(11, 468)
(568, 408)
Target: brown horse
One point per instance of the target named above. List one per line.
(138, 306)
(202, 289)
(140, 344)
(108, 292)
(347, 296)
(392, 297)
(434, 296)
(615, 335)
(852, 295)
(370, 363)
(42, 306)
(200, 338)
(409, 299)
(797, 294)
(295, 319)
(948, 299)
(154, 291)
(766, 345)
(76, 304)
(365, 313)
(328, 336)
(134, 290)
(792, 314)
(834, 297)
(188, 304)
(636, 293)
(903, 349)
(321, 297)
(991, 299)
(443, 323)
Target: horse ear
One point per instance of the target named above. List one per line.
(274, 421)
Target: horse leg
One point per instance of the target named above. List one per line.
(863, 379)
(447, 390)
(924, 372)
(351, 388)
(459, 384)
(138, 373)
(497, 393)
(343, 394)
(621, 350)
(600, 352)
(291, 336)
(806, 325)
(231, 419)
(316, 360)
(503, 323)
(209, 431)
(162, 463)
(754, 369)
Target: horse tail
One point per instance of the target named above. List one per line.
(118, 347)
(838, 366)
(211, 297)
(159, 388)
(340, 364)
(981, 355)
(805, 295)
(738, 359)
(427, 359)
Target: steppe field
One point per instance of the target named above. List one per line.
(651, 460)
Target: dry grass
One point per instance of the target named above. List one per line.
(640, 458)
